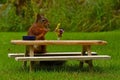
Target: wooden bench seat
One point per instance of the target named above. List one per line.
(56, 58)
(13, 55)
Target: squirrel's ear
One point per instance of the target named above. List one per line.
(38, 15)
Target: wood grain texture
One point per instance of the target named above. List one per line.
(58, 42)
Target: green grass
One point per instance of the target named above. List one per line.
(74, 15)
(103, 69)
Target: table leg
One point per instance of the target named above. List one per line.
(88, 48)
(31, 51)
(26, 55)
(83, 53)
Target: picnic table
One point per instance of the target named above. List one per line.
(85, 55)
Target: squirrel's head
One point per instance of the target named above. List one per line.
(42, 20)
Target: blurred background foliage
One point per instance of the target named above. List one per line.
(74, 15)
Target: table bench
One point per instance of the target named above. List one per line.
(14, 55)
(86, 53)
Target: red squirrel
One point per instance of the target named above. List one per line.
(38, 29)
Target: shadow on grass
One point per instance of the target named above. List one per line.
(67, 68)
(62, 68)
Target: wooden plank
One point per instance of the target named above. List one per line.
(56, 58)
(13, 55)
(59, 42)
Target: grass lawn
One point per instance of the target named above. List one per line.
(103, 69)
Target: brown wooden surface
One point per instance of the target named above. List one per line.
(59, 42)
(31, 53)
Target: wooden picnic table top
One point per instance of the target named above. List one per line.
(59, 42)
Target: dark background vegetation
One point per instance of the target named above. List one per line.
(74, 15)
